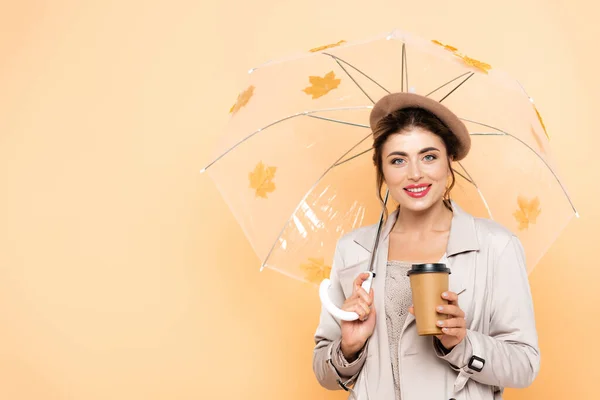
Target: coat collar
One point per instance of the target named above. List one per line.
(463, 235)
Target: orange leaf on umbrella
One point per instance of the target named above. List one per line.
(446, 46)
(261, 180)
(528, 211)
(483, 67)
(327, 46)
(541, 121)
(316, 270)
(242, 100)
(321, 86)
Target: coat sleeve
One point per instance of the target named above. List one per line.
(509, 356)
(331, 369)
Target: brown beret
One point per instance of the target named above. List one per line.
(396, 101)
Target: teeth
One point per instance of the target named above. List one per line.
(418, 189)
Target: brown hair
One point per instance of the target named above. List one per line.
(406, 118)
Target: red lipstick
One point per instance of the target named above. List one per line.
(418, 191)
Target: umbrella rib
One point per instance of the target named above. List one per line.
(353, 157)
(462, 176)
(446, 84)
(503, 133)
(404, 67)
(288, 274)
(485, 203)
(340, 60)
(305, 113)
(354, 80)
(485, 125)
(459, 85)
(338, 121)
(285, 225)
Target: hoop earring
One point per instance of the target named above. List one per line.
(446, 199)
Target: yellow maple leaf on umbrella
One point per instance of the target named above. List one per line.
(327, 46)
(316, 270)
(446, 46)
(261, 180)
(528, 211)
(541, 121)
(242, 100)
(483, 67)
(321, 86)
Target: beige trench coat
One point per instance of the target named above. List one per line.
(500, 349)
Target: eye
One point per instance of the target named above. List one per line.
(430, 157)
(397, 161)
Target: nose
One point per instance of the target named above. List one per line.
(414, 171)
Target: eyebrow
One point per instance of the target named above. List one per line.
(403, 154)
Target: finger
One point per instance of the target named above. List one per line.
(359, 281)
(457, 332)
(452, 323)
(450, 309)
(451, 297)
(372, 303)
(362, 311)
(356, 308)
(350, 303)
(365, 307)
(364, 296)
(411, 310)
(355, 305)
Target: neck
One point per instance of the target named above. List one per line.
(436, 218)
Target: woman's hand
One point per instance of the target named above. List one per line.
(454, 328)
(356, 333)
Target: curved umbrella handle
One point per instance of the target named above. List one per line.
(332, 308)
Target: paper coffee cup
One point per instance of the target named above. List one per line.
(428, 282)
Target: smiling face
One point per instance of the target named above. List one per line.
(415, 168)
(412, 151)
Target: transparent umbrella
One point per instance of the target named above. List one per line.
(294, 164)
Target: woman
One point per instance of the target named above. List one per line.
(489, 340)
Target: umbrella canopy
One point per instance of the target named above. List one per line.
(295, 162)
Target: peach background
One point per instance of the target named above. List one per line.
(122, 274)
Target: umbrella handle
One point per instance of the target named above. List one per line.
(332, 308)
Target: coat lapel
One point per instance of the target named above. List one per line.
(463, 239)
